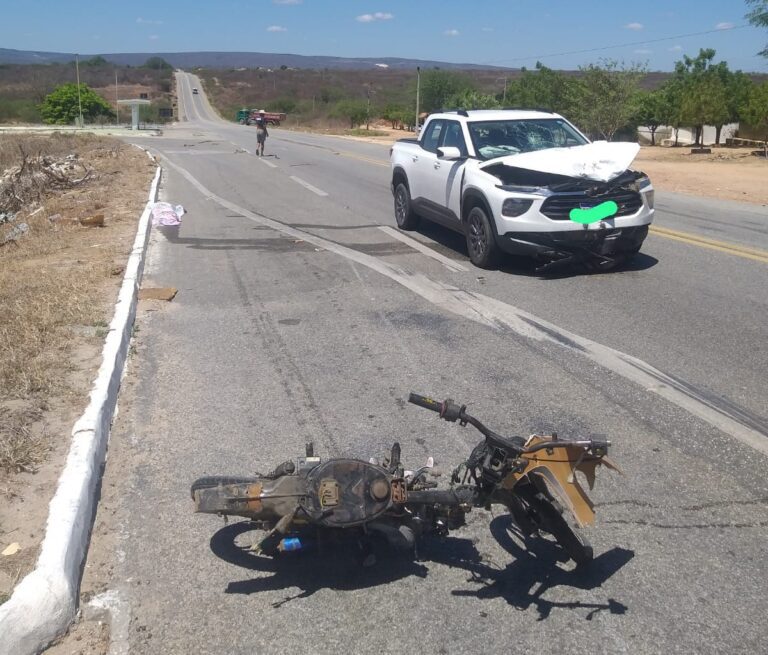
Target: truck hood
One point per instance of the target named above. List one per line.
(601, 161)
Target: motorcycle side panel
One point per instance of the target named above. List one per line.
(262, 499)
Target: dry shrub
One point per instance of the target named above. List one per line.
(60, 276)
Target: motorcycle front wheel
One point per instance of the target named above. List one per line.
(547, 515)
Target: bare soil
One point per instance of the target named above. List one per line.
(58, 284)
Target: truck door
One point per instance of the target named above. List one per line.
(423, 160)
(444, 179)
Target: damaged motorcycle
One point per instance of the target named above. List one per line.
(300, 501)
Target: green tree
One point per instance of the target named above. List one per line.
(604, 98)
(755, 111)
(61, 106)
(651, 111)
(398, 115)
(542, 88)
(437, 86)
(355, 111)
(707, 90)
(759, 18)
(471, 99)
(157, 63)
(95, 61)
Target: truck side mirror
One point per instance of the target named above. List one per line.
(449, 152)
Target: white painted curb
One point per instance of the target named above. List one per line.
(44, 603)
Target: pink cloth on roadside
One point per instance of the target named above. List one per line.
(164, 213)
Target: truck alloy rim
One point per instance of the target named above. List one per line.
(477, 234)
(400, 205)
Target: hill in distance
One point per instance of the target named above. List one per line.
(236, 60)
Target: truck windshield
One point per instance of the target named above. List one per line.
(509, 137)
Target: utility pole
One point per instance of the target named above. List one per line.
(504, 97)
(418, 89)
(79, 102)
(117, 105)
(368, 106)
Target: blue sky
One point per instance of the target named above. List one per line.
(503, 32)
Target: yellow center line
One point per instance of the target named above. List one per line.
(754, 254)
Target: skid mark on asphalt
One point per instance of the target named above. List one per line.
(496, 314)
(425, 250)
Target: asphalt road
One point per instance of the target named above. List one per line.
(299, 318)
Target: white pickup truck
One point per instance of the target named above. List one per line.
(524, 183)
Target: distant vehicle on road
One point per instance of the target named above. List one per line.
(249, 116)
(523, 182)
(194, 90)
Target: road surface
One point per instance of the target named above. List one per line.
(303, 315)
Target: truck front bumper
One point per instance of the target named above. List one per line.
(574, 245)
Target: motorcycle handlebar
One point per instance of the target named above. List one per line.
(426, 403)
(452, 412)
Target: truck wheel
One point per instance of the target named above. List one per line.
(406, 218)
(481, 242)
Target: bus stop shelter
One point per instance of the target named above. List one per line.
(134, 104)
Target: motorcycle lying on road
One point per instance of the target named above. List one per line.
(534, 479)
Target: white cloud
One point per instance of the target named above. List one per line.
(277, 28)
(154, 37)
(676, 48)
(633, 26)
(451, 32)
(643, 51)
(369, 18)
(382, 65)
(724, 26)
(148, 21)
(286, 2)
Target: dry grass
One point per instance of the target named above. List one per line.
(59, 276)
(21, 449)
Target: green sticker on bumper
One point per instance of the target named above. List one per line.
(593, 214)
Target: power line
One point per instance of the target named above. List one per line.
(619, 45)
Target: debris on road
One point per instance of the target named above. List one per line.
(164, 213)
(158, 293)
(96, 220)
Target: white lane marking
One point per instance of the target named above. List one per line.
(307, 185)
(497, 314)
(425, 250)
(271, 165)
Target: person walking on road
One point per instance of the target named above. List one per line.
(261, 133)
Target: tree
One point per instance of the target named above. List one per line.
(61, 107)
(651, 111)
(543, 88)
(95, 61)
(755, 112)
(398, 115)
(759, 18)
(438, 86)
(354, 111)
(605, 96)
(711, 93)
(470, 99)
(157, 63)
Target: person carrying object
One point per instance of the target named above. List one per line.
(261, 133)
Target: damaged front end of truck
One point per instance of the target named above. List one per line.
(579, 205)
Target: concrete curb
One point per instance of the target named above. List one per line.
(44, 603)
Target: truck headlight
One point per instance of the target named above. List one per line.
(650, 198)
(515, 206)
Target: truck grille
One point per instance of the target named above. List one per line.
(558, 207)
